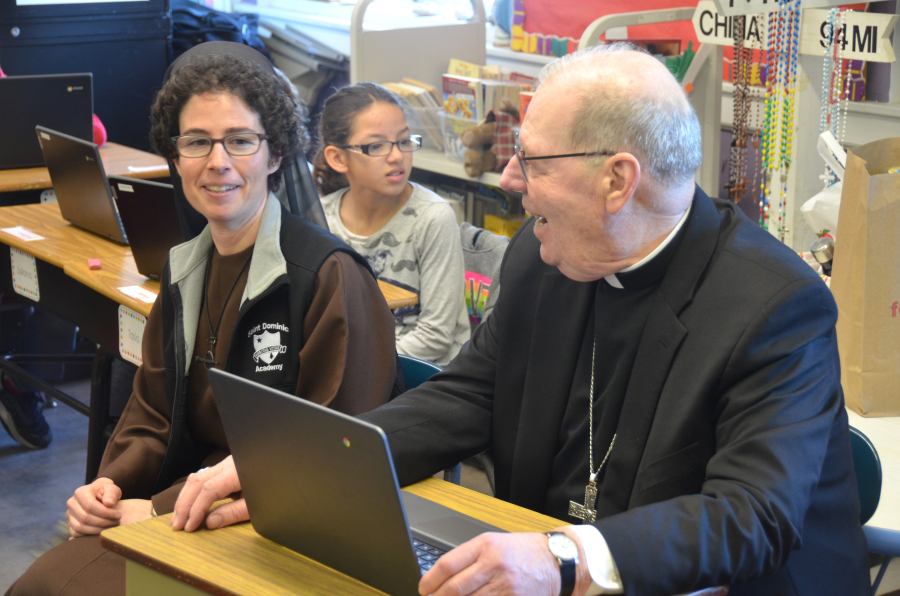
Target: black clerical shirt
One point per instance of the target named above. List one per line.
(617, 322)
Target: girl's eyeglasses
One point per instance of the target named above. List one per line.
(381, 148)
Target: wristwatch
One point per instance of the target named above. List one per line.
(566, 552)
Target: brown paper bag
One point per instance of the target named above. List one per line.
(866, 279)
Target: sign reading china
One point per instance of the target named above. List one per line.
(864, 36)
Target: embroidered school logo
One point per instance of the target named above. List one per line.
(267, 346)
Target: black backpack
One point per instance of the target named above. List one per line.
(193, 24)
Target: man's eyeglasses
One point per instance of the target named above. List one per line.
(239, 144)
(381, 148)
(523, 161)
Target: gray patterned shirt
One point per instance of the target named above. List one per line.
(418, 250)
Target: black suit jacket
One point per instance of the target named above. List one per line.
(732, 461)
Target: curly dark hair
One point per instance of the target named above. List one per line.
(280, 114)
(336, 124)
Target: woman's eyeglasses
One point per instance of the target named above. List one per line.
(238, 145)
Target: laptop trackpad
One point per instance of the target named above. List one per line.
(439, 525)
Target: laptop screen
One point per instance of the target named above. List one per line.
(62, 102)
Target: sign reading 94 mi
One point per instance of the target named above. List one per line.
(865, 36)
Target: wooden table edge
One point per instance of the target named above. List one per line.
(27, 246)
(454, 494)
(411, 300)
(113, 294)
(164, 568)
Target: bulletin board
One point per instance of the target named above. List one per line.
(553, 28)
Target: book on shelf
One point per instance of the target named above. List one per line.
(473, 99)
(524, 100)
(463, 97)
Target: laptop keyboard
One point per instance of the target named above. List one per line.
(426, 554)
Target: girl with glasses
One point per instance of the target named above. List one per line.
(408, 234)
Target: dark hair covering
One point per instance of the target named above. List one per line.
(336, 124)
(270, 97)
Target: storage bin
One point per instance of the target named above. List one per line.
(453, 126)
(426, 122)
(503, 226)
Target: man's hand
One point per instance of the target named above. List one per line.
(204, 488)
(496, 564)
(92, 508)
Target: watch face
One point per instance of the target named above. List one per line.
(562, 546)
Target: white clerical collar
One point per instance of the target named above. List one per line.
(612, 280)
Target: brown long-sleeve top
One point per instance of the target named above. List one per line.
(348, 362)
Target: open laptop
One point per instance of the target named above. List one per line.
(63, 102)
(150, 218)
(80, 183)
(323, 484)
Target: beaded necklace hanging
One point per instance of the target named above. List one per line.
(833, 83)
(767, 140)
(789, 91)
(756, 106)
(740, 77)
(781, 88)
(842, 82)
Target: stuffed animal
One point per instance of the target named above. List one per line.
(478, 162)
(491, 143)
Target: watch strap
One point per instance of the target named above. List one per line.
(567, 577)
(566, 570)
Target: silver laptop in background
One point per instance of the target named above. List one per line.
(323, 484)
(148, 213)
(80, 184)
(63, 102)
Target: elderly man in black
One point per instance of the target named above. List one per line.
(658, 371)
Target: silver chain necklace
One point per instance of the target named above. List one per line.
(586, 513)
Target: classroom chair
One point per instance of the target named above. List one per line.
(482, 255)
(868, 482)
(415, 372)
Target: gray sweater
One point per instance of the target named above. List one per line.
(418, 250)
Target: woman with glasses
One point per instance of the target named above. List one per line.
(260, 292)
(408, 234)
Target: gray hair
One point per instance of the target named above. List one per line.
(660, 130)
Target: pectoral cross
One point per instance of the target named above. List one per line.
(586, 513)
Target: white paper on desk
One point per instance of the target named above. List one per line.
(24, 274)
(22, 233)
(131, 334)
(139, 293)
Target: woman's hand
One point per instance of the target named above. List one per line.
(134, 510)
(92, 508)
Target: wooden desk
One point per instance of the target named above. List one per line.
(236, 560)
(116, 159)
(85, 305)
(396, 296)
(68, 248)
(64, 242)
